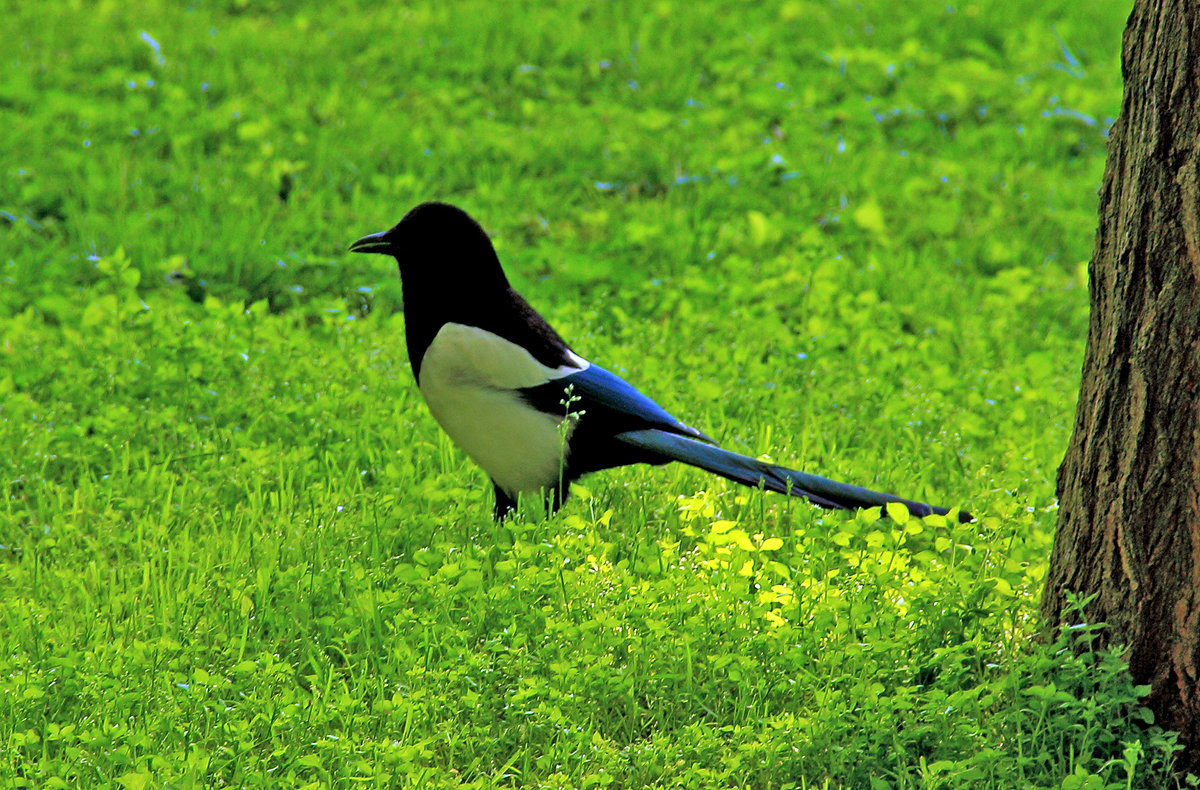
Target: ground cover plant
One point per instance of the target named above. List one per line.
(237, 552)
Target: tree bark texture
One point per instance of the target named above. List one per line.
(1129, 485)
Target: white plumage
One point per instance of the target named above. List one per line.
(469, 378)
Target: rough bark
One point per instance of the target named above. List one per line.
(1129, 486)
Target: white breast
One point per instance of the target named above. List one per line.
(468, 378)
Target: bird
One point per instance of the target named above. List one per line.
(523, 405)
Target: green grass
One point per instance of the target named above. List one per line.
(237, 551)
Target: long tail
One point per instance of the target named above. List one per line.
(749, 472)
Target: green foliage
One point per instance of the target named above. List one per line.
(236, 550)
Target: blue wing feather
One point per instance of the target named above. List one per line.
(607, 401)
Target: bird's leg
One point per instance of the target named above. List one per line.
(505, 505)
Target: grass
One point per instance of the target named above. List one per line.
(238, 552)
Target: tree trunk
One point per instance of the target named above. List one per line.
(1129, 486)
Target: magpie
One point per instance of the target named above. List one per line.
(513, 395)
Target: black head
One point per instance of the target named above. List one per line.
(449, 272)
(439, 246)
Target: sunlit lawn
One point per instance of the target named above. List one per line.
(237, 551)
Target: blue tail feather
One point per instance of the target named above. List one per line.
(748, 471)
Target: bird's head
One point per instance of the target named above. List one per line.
(439, 246)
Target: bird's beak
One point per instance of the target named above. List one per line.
(373, 243)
